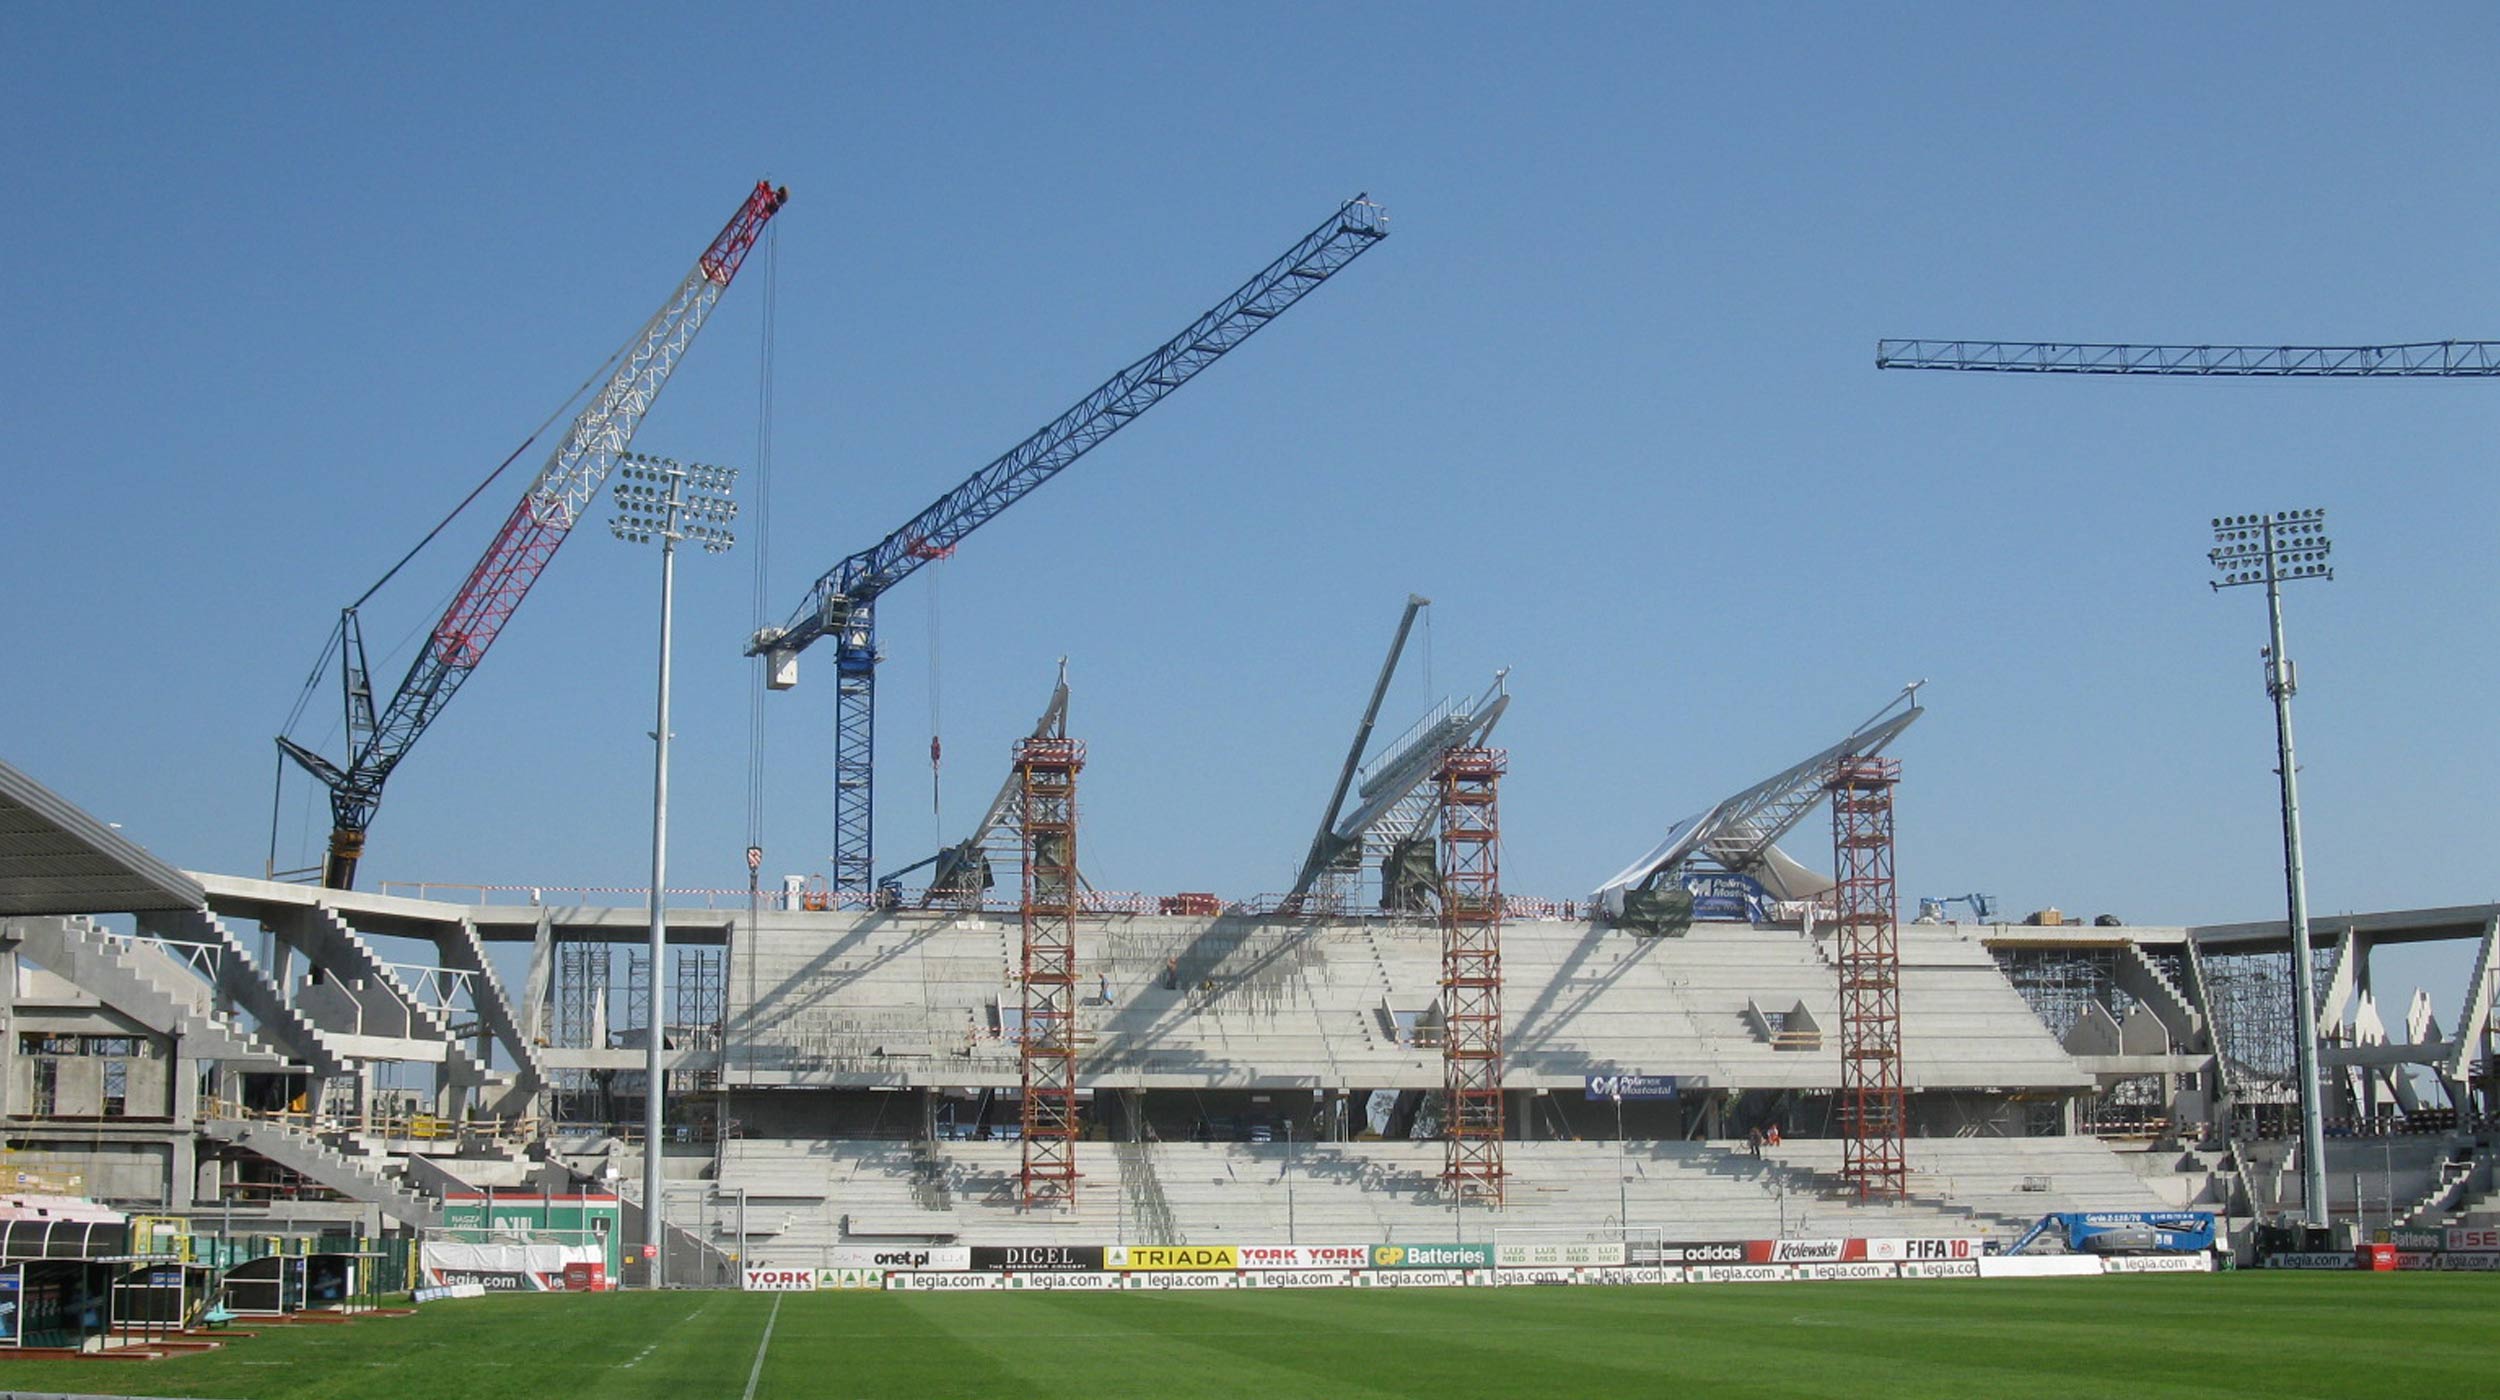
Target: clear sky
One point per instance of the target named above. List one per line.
(289, 279)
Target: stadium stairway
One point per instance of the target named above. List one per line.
(143, 980)
(307, 1155)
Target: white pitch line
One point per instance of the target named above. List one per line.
(766, 1340)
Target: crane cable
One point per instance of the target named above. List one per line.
(321, 663)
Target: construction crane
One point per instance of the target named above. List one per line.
(2435, 359)
(540, 522)
(843, 603)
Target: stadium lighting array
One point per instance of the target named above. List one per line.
(2286, 547)
(660, 498)
(2270, 549)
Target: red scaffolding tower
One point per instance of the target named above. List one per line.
(1873, 1101)
(1046, 771)
(1471, 972)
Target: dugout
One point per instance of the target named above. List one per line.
(317, 1280)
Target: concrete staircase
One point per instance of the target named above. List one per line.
(242, 982)
(144, 982)
(307, 1155)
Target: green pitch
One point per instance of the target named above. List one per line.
(2272, 1336)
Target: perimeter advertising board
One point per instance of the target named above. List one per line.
(1579, 1254)
(767, 1278)
(1305, 1256)
(1707, 1252)
(917, 1259)
(1432, 1256)
(1903, 1251)
(2479, 1239)
(1039, 1258)
(1172, 1258)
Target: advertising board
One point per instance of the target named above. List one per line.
(1432, 1256)
(2474, 1239)
(1645, 1273)
(2159, 1264)
(2312, 1261)
(1862, 1269)
(1575, 1254)
(849, 1278)
(952, 1283)
(1703, 1252)
(1743, 1273)
(1515, 1277)
(1300, 1278)
(1945, 1268)
(1172, 1279)
(1798, 1251)
(911, 1259)
(1420, 1278)
(1305, 1256)
(2477, 1263)
(1933, 1249)
(768, 1278)
(1063, 1283)
(2047, 1266)
(1604, 1088)
(1038, 1258)
(1178, 1258)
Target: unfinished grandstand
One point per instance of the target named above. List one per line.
(191, 1044)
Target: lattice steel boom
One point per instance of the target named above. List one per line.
(842, 603)
(2441, 359)
(538, 526)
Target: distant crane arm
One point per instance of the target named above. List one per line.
(2442, 359)
(521, 549)
(859, 579)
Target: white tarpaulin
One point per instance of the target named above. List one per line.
(504, 1268)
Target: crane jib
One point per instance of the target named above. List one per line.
(2439, 359)
(528, 539)
(859, 579)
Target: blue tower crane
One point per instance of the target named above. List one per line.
(842, 604)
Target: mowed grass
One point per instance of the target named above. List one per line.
(2251, 1334)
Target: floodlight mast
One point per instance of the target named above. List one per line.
(660, 499)
(2285, 546)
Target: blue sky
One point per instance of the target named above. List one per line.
(289, 280)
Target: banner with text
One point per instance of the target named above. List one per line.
(1432, 1256)
(1038, 1258)
(1305, 1256)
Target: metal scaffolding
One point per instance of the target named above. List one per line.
(1873, 1099)
(701, 1004)
(2252, 1009)
(1469, 780)
(2060, 983)
(1046, 772)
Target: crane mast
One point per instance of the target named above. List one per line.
(539, 524)
(842, 603)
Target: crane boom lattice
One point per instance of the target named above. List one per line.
(528, 539)
(842, 603)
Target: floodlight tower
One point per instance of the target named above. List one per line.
(2273, 549)
(659, 498)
